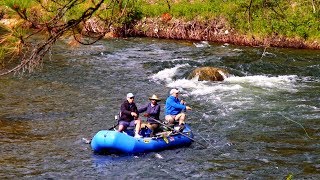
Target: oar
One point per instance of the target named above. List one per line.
(178, 132)
(116, 117)
(115, 125)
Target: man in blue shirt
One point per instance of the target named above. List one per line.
(174, 108)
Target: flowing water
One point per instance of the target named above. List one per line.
(262, 122)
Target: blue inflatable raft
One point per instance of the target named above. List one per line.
(114, 142)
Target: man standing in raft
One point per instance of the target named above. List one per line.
(174, 108)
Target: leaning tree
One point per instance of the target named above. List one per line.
(87, 21)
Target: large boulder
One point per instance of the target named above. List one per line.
(209, 74)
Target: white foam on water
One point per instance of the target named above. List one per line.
(284, 83)
(268, 54)
(237, 50)
(230, 84)
(233, 92)
(195, 87)
(158, 156)
(167, 75)
(202, 44)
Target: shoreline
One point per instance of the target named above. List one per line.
(212, 31)
(216, 31)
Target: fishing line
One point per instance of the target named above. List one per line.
(296, 123)
(210, 145)
(288, 119)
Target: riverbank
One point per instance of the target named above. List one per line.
(216, 30)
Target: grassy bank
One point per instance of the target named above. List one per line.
(261, 18)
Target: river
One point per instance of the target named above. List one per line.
(262, 122)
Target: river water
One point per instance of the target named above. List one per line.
(262, 122)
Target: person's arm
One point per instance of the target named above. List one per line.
(143, 109)
(135, 112)
(155, 111)
(175, 104)
(124, 109)
(184, 103)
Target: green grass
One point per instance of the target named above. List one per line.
(183, 9)
(295, 19)
(274, 17)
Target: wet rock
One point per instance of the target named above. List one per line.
(209, 74)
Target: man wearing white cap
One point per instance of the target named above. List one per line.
(174, 108)
(129, 116)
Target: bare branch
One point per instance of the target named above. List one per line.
(32, 60)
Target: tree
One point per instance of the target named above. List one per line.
(55, 18)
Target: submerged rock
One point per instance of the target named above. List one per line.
(209, 74)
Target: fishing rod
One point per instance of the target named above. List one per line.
(178, 132)
(117, 118)
(115, 125)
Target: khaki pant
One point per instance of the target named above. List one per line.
(172, 118)
(153, 127)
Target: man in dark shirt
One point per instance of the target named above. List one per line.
(129, 116)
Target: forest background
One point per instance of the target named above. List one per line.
(267, 23)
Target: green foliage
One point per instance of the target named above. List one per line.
(263, 18)
(59, 16)
(130, 12)
(289, 176)
(132, 15)
(14, 4)
(2, 55)
(181, 9)
(260, 17)
(190, 12)
(266, 18)
(10, 42)
(152, 10)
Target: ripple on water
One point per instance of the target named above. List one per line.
(251, 122)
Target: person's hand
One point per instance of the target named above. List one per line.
(146, 115)
(182, 101)
(134, 114)
(188, 108)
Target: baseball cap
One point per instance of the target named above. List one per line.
(130, 95)
(173, 91)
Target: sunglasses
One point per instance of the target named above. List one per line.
(131, 98)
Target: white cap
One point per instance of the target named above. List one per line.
(130, 95)
(173, 91)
